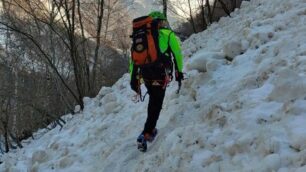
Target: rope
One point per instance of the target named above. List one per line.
(139, 98)
(142, 98)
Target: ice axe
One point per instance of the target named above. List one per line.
(179, 87)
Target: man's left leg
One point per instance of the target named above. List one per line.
(157, 94)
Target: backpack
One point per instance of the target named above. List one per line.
(145, 48)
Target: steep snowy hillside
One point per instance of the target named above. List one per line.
(247, 114)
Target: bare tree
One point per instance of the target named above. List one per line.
(5, 122)
(203, 14)
(209, 12)
(54, 57)
(5, 107)
(165, 7)
(226, 10)
(191, 17)
(98, 39)
(202, 8)
(67, 10)
(18, 27)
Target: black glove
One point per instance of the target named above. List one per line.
(179, 76)
(135, 82)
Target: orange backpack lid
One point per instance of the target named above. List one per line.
(138, 22)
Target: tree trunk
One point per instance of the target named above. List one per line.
(191, 17)
(5, 125)
(226, 10)
(16, 140)
(84, 49)
(6, 119)
(77, 66)
(234, 5)
(109, 11)
(165, 7)
(209, 11)
(15, 106)
(98, 42)
(6, 139)
(213, 9)
(203, 15)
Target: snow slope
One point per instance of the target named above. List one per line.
(245, 115)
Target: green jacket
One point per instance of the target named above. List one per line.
(168, 38)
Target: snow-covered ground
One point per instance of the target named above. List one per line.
(245, 115)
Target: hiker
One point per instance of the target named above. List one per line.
(156, 73)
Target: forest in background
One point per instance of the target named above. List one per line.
(53, 54)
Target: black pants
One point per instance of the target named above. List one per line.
(157, 94)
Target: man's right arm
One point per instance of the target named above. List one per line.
(178, 57)
(177, 52)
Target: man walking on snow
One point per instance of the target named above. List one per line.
(157, 75)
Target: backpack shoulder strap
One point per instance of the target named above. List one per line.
(155, 33)
(168, 43)
(169, 38)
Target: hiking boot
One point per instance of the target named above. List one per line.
(151, 137)
(141, 143)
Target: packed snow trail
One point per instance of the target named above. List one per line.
(245, 115)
